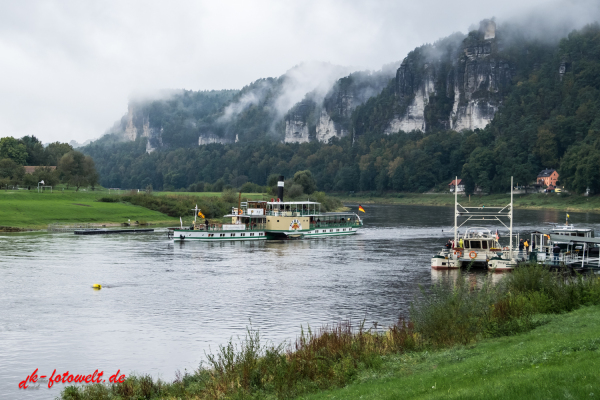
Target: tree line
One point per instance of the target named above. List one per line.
(73, 168)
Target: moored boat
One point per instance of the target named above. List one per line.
(478, 247)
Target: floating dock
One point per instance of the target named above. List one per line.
(108, 231)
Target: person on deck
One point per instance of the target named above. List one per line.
(556, 252)
(521, 248)
(526, 244)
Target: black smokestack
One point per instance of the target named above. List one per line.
(280, 188)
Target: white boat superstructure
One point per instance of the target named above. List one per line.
(478, 247)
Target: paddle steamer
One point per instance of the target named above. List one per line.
(272, 220)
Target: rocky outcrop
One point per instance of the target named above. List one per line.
(138, 120)
(469, 75)
(331, 117)
(300, 122)
(211, 138)
(326, 128)
(416, 94)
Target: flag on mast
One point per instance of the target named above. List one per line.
(360, 208)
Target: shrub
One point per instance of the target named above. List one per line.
(109, 199)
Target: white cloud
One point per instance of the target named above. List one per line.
(69, 67)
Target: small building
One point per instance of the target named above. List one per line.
(460, 187)
(30, 169)
(547, 177)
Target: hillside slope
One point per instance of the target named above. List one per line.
(531, 104)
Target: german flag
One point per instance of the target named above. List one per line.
(360, 208)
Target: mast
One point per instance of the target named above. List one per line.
(455, 210)
(511, 218)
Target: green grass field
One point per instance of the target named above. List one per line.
(560, 359)
(563, 202)
(32, 210)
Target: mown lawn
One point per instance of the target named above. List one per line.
(32, 210)
(560, 359)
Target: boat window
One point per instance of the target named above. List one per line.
(484, 244)
(466, 244)
(475, 244)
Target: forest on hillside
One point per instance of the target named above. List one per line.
(549, 117)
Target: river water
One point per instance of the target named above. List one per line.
(163, 305)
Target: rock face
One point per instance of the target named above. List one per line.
(210, 138)
(462, 83)
(138, 120)
(299, 121)
(322, 120)
(326, 128)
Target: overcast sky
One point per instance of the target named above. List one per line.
(67, 68)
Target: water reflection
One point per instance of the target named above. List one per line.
(475, 277)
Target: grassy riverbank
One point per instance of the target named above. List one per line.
(24, 209)
(560, 359)
(537, 201)
(31, 210)
(507, 340)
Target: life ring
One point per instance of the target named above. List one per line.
(472, 254)
(458, 253)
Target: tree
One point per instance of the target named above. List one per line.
(56, 150)
(36, 154)
(77, 169)
(306, 180)
(13, 149)
(10, 172)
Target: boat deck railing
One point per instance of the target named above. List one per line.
(300, 213)
(220, 227)
(334, 224)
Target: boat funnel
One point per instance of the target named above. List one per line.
(280, 188)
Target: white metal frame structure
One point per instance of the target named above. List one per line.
(499, 214)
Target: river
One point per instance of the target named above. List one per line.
(163, 305)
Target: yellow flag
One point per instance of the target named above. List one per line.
(201, 215)
(568, 216)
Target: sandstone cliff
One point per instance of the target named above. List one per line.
(452, 84)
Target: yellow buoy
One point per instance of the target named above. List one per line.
(97, 286)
